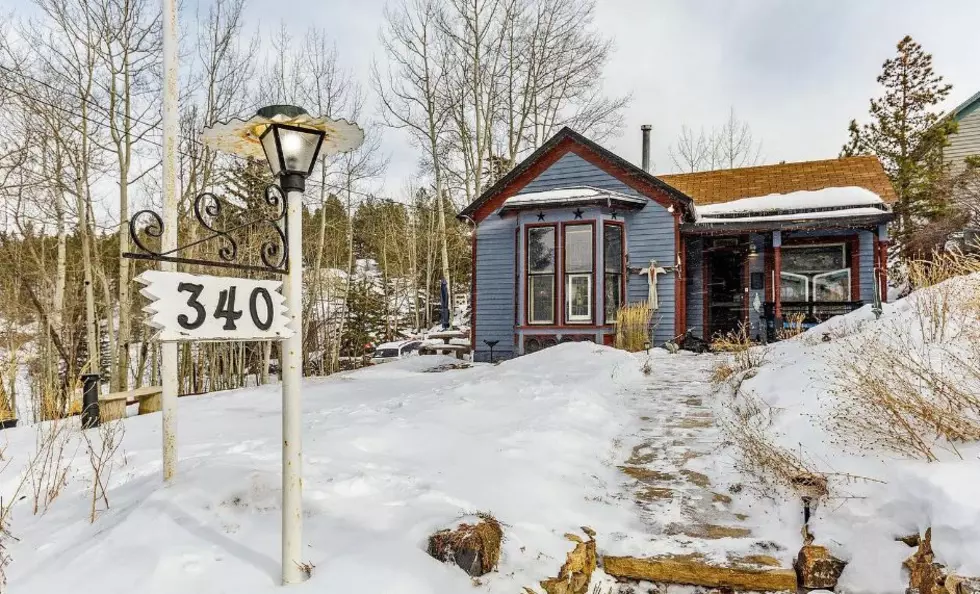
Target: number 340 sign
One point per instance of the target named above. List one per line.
(198, 307)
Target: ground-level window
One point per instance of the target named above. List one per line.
(578, 248)
(818, 273)
(612, 250)
(541, 275)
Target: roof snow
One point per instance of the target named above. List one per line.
(805, 204)
(573, 194)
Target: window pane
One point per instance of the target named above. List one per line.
(578, 248)
(832, 286)
(578, 290)
(813, 259)
(613, 296)
(794, 287)
(541, 249)
(612, 247)
(541, 298)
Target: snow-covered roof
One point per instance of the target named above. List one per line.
(570, 195)
(827, 203)
(823, 214)
(827, 198)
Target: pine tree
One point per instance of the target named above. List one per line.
(908, 136)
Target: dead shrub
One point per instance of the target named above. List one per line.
(633, 327)
(911, 398)
(747, 425)
(792, 327)
(746, 354)
(103, 444)
(722, 371)
(47, 471)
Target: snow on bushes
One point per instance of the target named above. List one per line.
(888, 412)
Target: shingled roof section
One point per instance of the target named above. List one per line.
(725, 185)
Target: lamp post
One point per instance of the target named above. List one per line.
(290, 140)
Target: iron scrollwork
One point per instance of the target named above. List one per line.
(221, 220)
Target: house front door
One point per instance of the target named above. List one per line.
(725, 291)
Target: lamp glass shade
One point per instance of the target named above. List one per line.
(271, 151)
(291, 149)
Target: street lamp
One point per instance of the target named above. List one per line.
(290, 140)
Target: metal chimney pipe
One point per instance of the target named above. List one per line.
(646, 146)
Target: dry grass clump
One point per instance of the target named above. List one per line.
(749, 427)
(633, 327)
(792, 327)
(941, 267)
(913, 399)
(745, 354)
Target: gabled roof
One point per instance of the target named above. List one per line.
(713, 187)
(619, 167)
(965, 108)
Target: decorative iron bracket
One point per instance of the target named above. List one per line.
(208, 209)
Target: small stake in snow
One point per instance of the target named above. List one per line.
(491, 344)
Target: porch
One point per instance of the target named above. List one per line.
(776, 280)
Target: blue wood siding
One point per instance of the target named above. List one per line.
(650, 236)
(867, 264)
(495, 239)
(572, 170)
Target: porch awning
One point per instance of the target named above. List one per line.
(572, 196)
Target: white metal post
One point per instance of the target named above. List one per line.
(168, 359)
(292, 376)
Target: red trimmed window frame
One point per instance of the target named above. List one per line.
(564, 312)
(622, 266)
(555, 301)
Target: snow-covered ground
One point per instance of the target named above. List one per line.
(392, 453)
(878, 493)
(575, 435)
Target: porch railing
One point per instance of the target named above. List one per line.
(813, 312)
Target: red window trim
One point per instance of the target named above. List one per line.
(527, 285)
(592, 320)
(622, 268)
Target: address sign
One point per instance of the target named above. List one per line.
(187, 307)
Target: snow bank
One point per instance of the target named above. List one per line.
(881, 494)
(391, 453)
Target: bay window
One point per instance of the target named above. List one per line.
(612, 254)
(815, 273)
(541, 275)
(578, 245)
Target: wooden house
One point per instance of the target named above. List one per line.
(574, 231)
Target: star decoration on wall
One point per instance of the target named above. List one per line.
(578, 213)
(615, 215)
(540, 216)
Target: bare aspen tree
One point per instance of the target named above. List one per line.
(734, 144)
(128, 48)
(409, 90)
(729, 146)
(691, 153)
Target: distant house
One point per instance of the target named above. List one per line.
(966, 141)
(574, 231)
